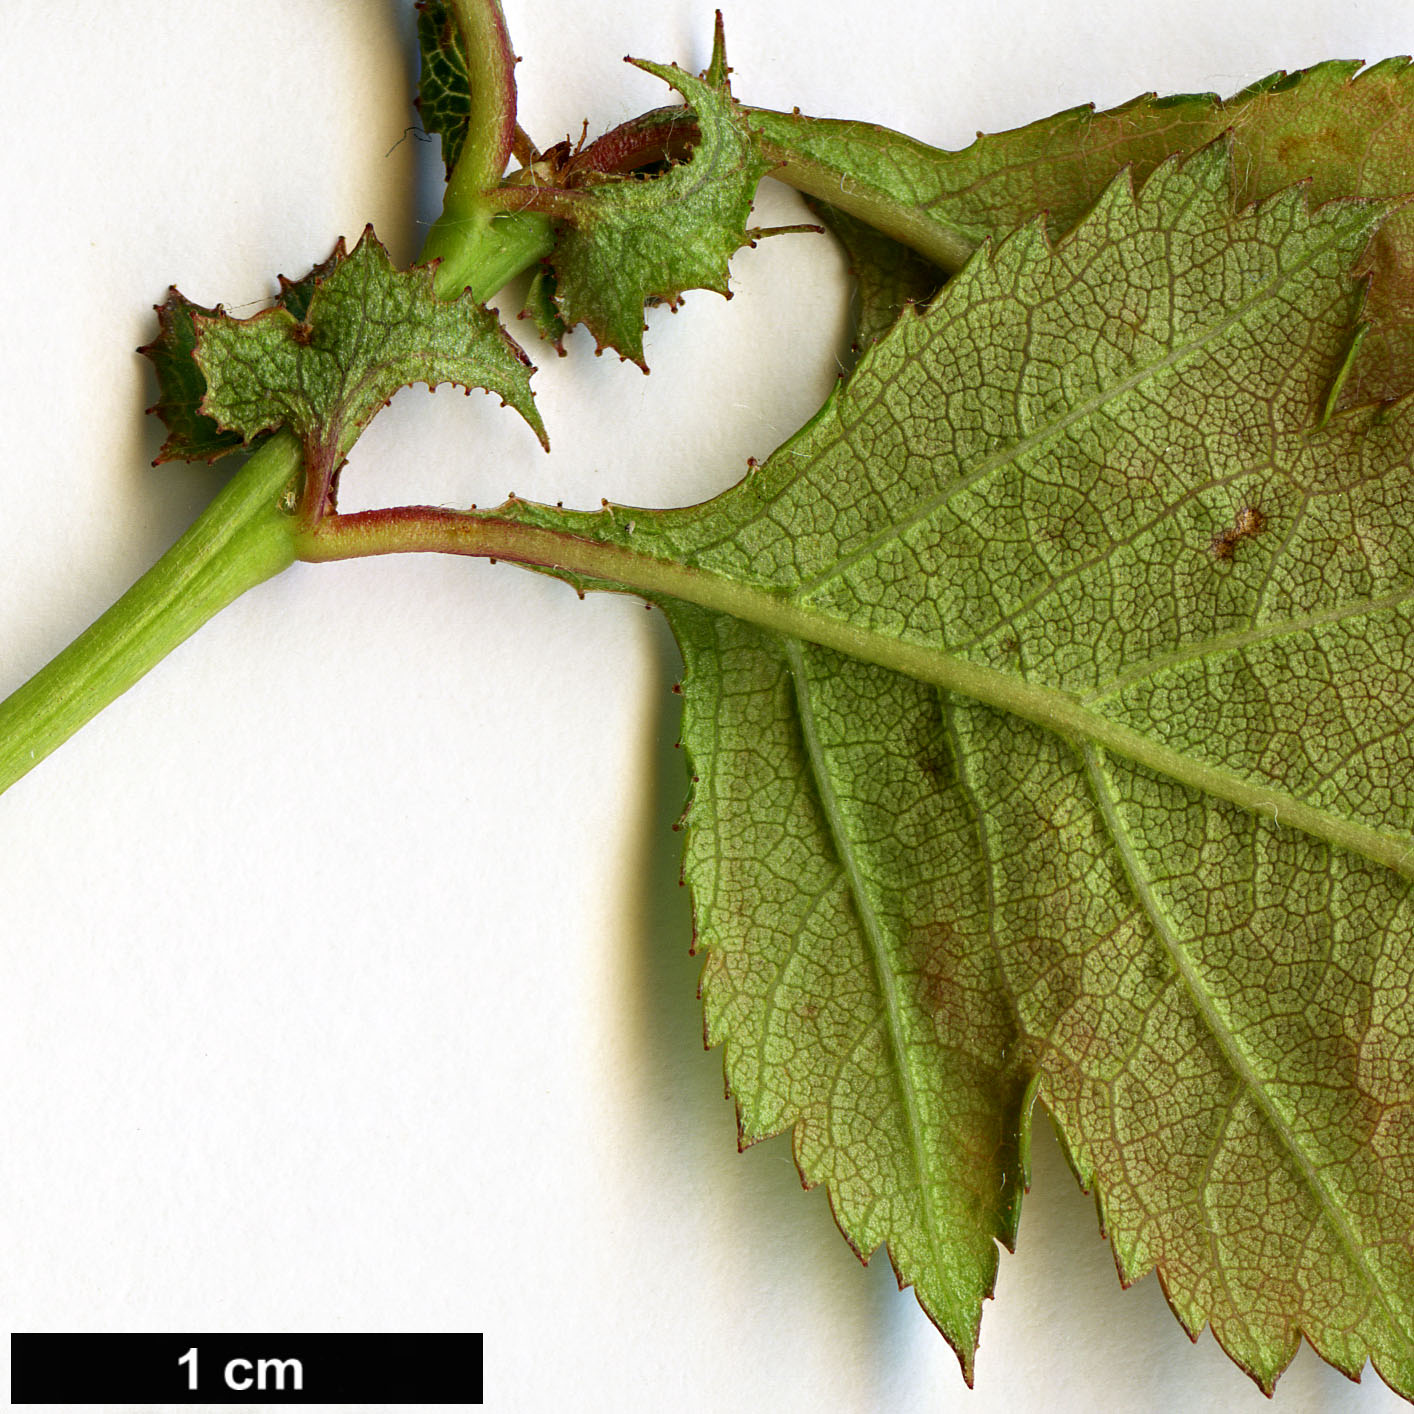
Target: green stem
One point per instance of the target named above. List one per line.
(907, 223)
(588, 561)
(242, 538)
(505, 246)
(464, 226)
(245, 536)
(491, 122)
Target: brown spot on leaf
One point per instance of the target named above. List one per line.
(1248, 524)
(1303, 149)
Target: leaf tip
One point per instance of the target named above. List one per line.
(717, 71)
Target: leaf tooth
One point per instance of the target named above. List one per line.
(1011, 254)
(1395, 67)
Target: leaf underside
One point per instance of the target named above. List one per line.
(888, 277)
(1082, 774)
(443, 86)
(1348, 132)
(1097, 475)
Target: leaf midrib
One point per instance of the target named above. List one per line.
(575, 551)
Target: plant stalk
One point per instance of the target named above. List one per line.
(912, 226)
(241, 539)
(458, 235)
(501, 250)
(247, 534)
(244, 537)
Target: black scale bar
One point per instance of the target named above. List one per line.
(245, 1369)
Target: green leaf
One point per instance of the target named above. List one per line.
(181, 386)
(888, 276)
(295, 295)
(630, 240)
(1051, 699)
(367, 330)
(443, 86)
(1347, 135)
(541, 310)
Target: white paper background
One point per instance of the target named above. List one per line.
(345, 977)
